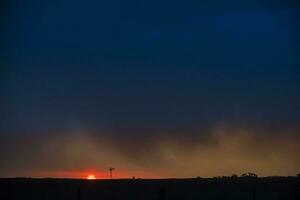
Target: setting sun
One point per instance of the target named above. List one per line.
(91, 177)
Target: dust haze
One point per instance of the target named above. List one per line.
(217, 151)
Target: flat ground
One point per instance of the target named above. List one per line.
(285, 188)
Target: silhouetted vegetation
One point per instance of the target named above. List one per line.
(249, 175)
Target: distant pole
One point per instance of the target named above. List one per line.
(111, 169)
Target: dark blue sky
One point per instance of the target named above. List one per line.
(149, 64)
(154, 88)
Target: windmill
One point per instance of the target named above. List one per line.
(111, 169)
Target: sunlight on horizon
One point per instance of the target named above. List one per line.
(91, 177)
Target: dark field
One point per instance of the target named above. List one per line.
(285, 188)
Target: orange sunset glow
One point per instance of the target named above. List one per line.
(91, 177)
(90, 174)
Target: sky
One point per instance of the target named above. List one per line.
(152, 88)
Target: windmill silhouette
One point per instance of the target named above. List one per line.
(111, 169)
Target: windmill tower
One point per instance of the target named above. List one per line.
(111, 169)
